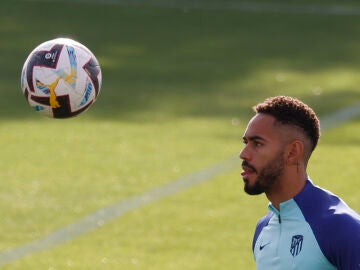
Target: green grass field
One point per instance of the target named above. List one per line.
(178, 85)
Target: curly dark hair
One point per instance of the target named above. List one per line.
(291, 111)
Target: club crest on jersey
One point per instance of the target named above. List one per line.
(296, 244)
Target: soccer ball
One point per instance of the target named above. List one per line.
(61, 78)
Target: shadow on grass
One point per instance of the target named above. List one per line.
(168, 63)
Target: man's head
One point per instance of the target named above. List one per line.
(279, 138)
(290, 111)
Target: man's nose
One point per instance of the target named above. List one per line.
(244, 154)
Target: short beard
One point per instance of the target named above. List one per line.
(267, 177)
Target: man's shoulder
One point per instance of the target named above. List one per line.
(335, 225)
(263, 222)
(321, 207)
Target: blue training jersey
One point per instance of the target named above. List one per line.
(314, 231)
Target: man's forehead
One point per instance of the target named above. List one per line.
(261, 125)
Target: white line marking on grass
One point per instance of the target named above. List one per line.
(112, 212)
(327, 9)
(250, 7)
(107, 214)
(340, 116)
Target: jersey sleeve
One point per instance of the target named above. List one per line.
(343, 246)
(335, 225)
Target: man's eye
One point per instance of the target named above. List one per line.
(257, 144)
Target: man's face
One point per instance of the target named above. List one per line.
(263, 156)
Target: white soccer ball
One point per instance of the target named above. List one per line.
(61, 78)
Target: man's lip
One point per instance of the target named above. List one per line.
(247, 171)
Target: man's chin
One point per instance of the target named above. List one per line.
(252, 189)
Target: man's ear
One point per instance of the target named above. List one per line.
(294, 152)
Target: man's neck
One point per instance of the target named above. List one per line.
(286, 189)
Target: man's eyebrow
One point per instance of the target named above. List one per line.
(253, 138)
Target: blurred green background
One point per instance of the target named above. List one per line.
(179, 80)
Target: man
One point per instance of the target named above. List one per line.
(307, 227)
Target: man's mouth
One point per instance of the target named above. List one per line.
(246, 172)
(247, 169)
